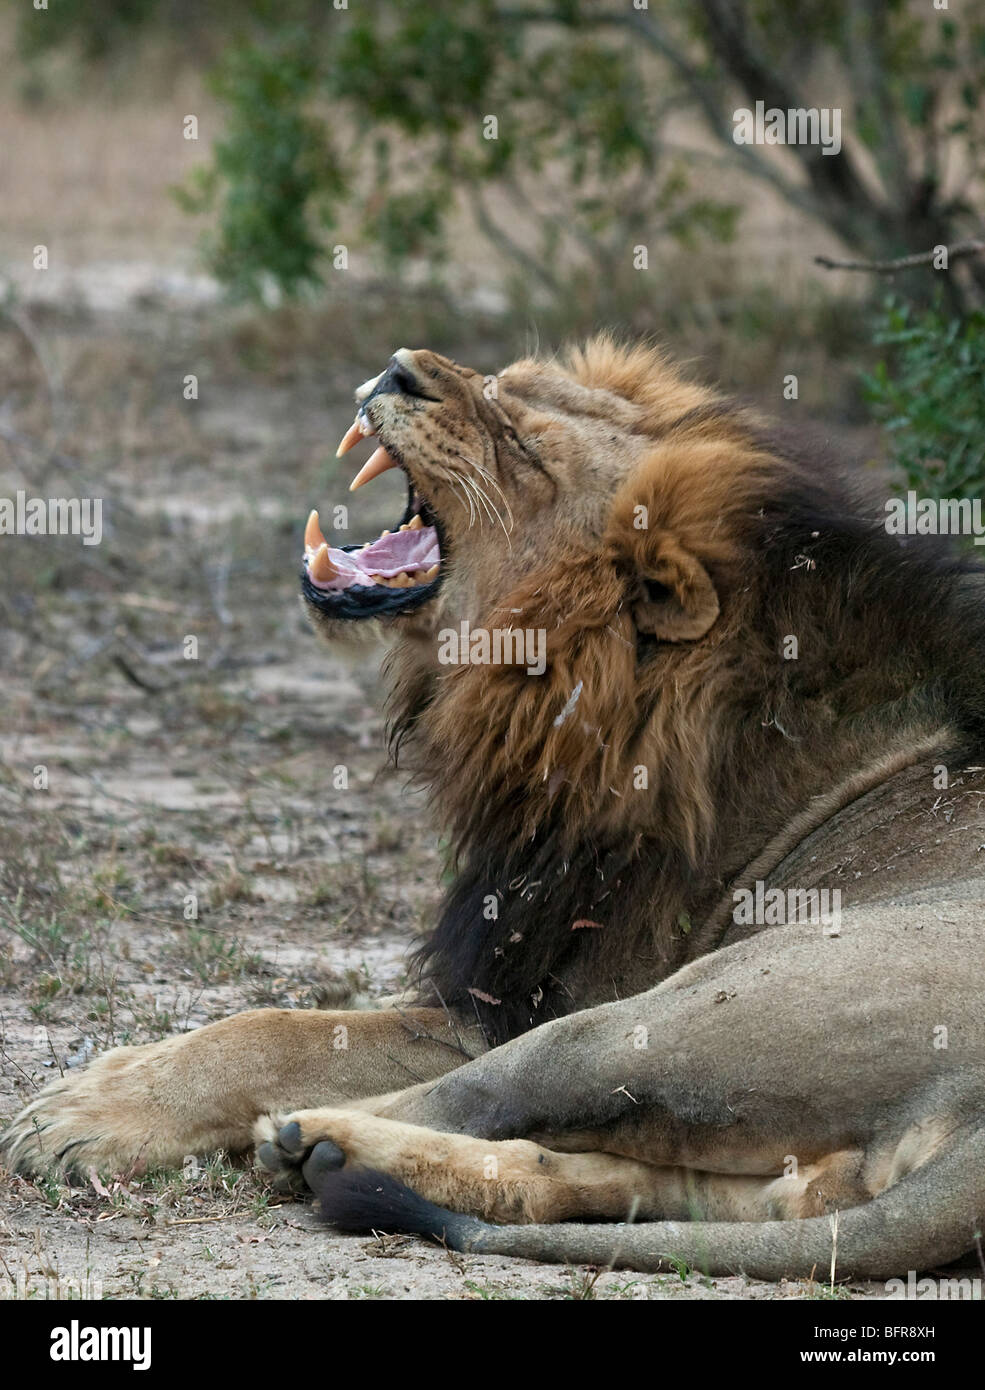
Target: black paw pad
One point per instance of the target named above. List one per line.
(289, 1138)
(270, 1156)
(324, 1158)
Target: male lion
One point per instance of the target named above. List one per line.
(751, 694)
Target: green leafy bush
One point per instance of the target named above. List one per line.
(274, 173)
(410, 118)
(929, 394)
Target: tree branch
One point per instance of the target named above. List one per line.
(507, 245)
(954, 253)
(840, 197)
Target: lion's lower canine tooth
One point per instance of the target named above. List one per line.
(430, 574)
(320, 567)
(313, 538)
(414, 524)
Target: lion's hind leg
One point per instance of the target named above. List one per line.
(517, 1180)
(506, 1180)
(928, 1218)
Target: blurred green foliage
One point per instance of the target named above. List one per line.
(928, 392)
(613, 126)
(275, 167)
(375, 118)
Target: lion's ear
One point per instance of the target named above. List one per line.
(676, 601)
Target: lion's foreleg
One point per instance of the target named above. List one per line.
(151, 1106)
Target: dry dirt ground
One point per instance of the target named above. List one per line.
(135, 782)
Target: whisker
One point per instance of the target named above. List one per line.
(474, 491)
(479, 496)
(494, 483)
(492, 511)
(453, 481)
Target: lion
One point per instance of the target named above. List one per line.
(708, 744)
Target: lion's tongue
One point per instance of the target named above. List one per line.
(400, 552)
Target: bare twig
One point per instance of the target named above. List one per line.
(122, 665)
(954, 253)
(508, 246)
(6, 1057)
(417, 1033)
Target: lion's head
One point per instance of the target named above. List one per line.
(507, 476)
(713, 628)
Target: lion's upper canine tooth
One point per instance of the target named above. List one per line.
(362, 427)
(379, 463)
(352, 436)
(414, 524)
(313, 537)
(320, 567)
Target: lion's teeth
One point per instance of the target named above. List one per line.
(406, 579)
(379, 463)
(320, 566)
(414, 524)
(351, 437)
(313, 537)
(362, 427)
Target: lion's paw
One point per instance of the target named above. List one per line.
(298, 1149)
(66, 1129)
(110, 1117)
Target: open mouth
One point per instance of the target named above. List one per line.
(396, 572)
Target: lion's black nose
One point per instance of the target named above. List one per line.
(398, 380)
